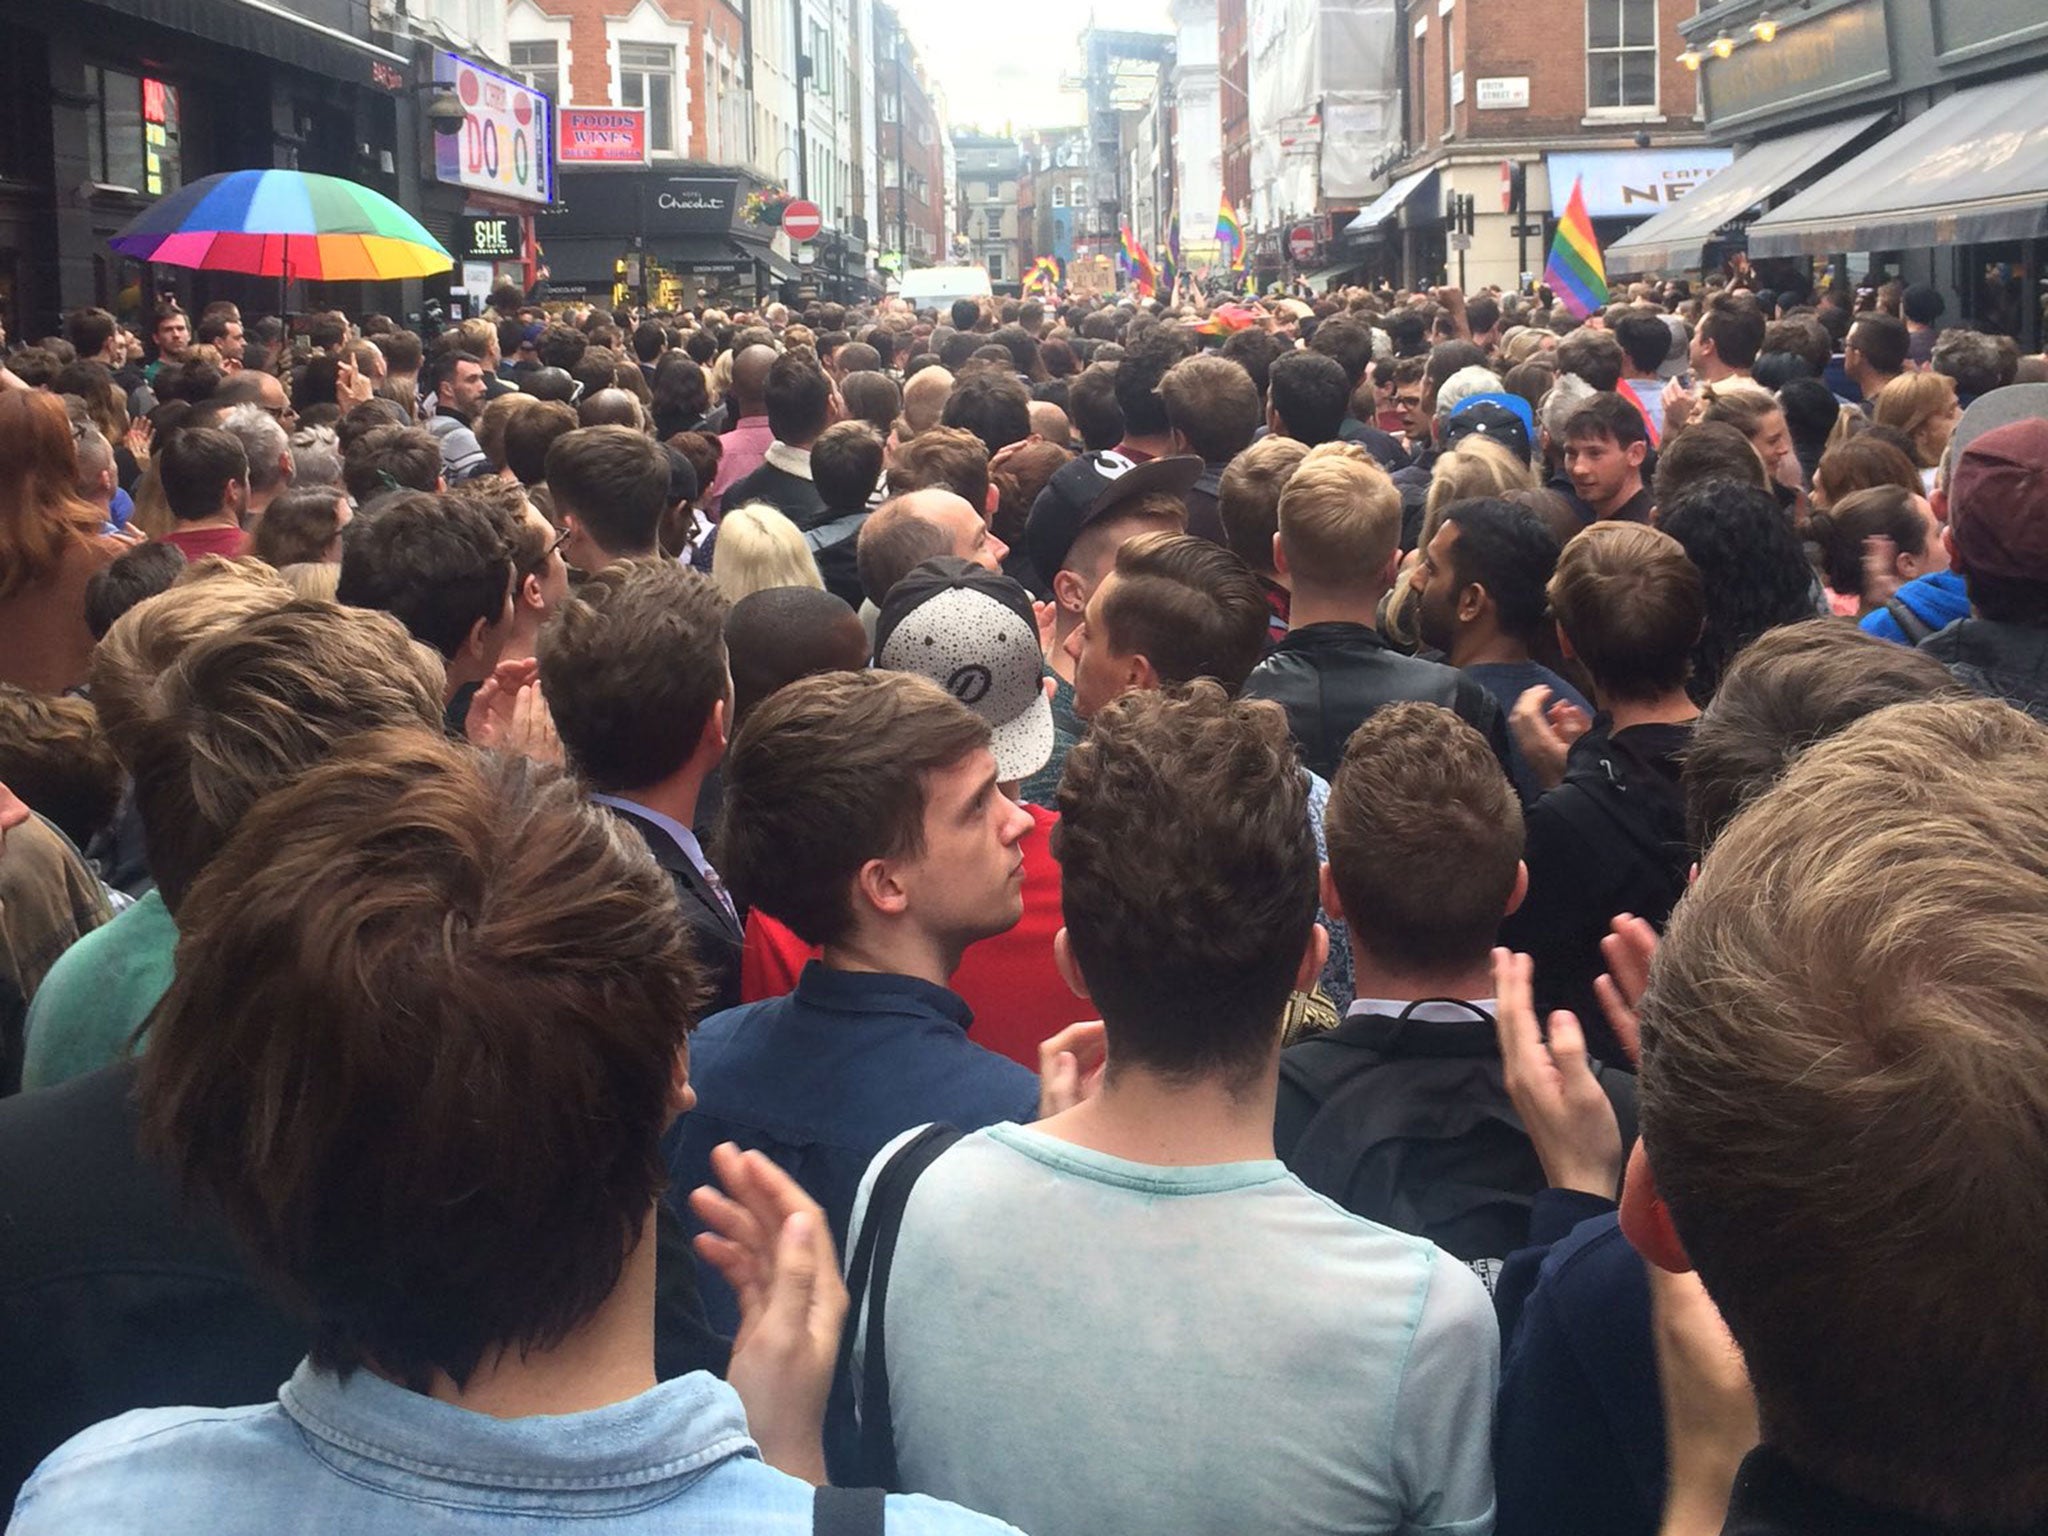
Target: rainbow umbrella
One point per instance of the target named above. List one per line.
(284, 224)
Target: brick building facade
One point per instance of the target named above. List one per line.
(1585, 87)
(910, 142)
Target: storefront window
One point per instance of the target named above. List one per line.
(131, 133)
(1621, 55)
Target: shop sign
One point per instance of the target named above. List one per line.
(1633, 184)
(603, 135)
(690, 203)
(506, 146)
(495, 238)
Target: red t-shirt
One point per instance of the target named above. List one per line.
(1009, 981)
(199, 542)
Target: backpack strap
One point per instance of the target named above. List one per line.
(867, 1282)
(1911, 625)
(847, 1512)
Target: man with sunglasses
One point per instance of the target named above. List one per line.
(265, 391)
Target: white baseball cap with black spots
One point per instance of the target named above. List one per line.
(973, 633)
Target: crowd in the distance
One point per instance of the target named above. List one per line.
(1399, 914)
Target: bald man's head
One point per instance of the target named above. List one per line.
(910, 529)
(924, 398)
(611, 408)
(750, 379)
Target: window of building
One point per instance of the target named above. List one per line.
(888, 109)
(822, 71)
(1059, 195)
(1621, 55)
(647, 78)
(995, 266)
(539, 65)
(131, 132)
(1450, 72)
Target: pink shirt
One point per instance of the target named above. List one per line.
(743, 450)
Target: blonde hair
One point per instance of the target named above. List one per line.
(758, 548)
(209, 597)
(1915, 403)
(924, 400)
(315, 579)
(1745, 406)
(1476, 467)
(1340, 518)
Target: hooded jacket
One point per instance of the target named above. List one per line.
(1609, 839)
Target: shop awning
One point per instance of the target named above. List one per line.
(761, 251)
(1389, 202)
(1675, 240)
(1971, 169)
(1323, 281)
(276, 31)
(703, 254)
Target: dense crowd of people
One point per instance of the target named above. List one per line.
(1399, 914)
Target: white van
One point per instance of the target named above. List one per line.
(936, 287)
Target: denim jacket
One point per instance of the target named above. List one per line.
(367, 1458)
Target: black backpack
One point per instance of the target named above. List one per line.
(1426, 1144)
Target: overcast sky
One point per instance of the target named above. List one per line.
(1002, 63)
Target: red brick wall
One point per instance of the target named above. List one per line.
(588, 77)
(1234, 64)
(1542, 39)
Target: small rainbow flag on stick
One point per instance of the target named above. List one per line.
(1575, 271)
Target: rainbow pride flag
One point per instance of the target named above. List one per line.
(1229, 234)
(1138, 264)
(1575, 272)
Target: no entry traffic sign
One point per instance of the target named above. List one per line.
(801, 220)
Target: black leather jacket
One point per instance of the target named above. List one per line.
(1331, 677)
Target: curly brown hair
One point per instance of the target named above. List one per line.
(1187, 878)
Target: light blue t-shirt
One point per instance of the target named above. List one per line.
(1078, 1344)
(367, 1458)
